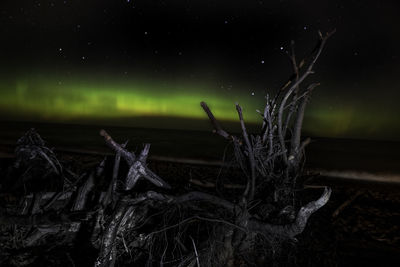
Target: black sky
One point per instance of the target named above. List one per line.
(239, 43)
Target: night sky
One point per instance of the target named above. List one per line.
(149, 63)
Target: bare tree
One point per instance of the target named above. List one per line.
(191, 228)
(272, 160)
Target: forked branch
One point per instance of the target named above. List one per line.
(308, 71)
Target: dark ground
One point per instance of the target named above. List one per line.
(358, 227)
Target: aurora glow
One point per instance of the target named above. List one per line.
(350, 120)
(107, 101)
(47, 99)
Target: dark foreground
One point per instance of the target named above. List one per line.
(358, 227)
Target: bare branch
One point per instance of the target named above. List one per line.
(145, 152)
(296, 228)
(137, 167)
(292, 57)
(309, 71)
(251, 183)
(128, 156)
(304, 144)
(83, 192)
(294, 78)
(138, 170)
(217, 127)
(295, 142)
(195, 252)
(113, 183)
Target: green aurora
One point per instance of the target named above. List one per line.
(114, 102)
(51, 100)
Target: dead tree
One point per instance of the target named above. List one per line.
(120, 218)
(272, 160)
